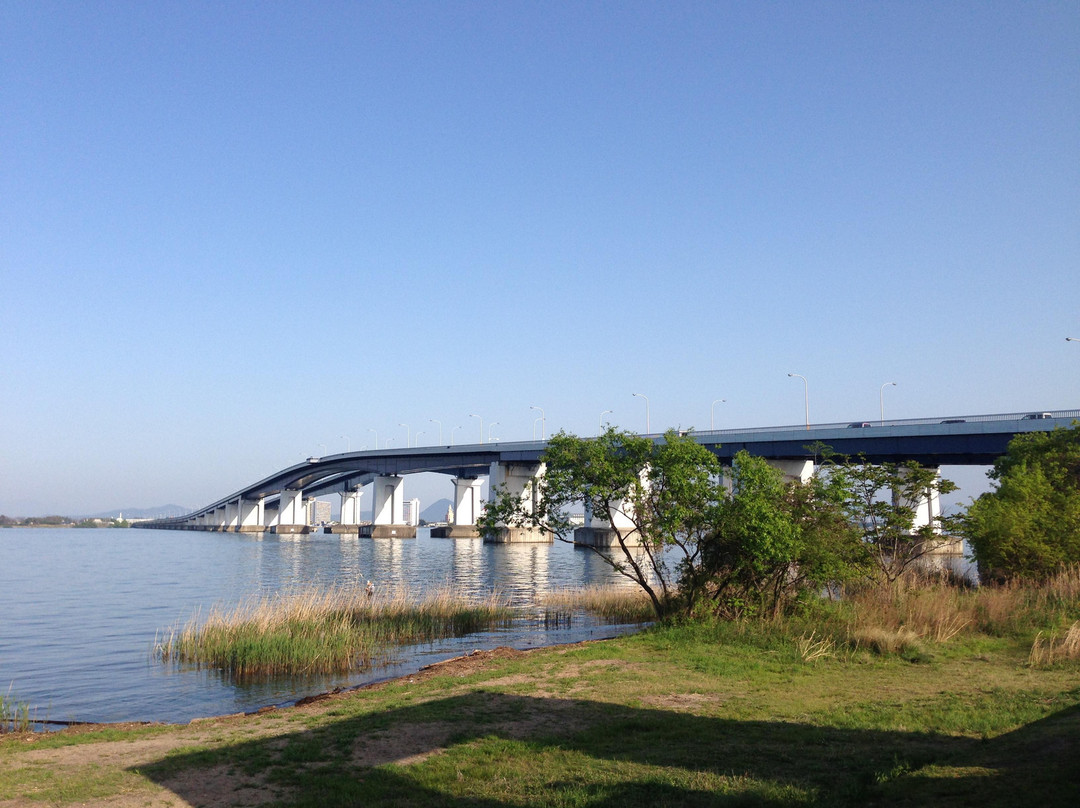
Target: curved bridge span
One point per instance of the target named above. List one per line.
(275, 503)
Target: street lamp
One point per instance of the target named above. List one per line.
(639, 395)
(473, 415)
(416, 437)
(376, 438)
(1072, 339)
(491, 426)
(712, 409)
(881, 399)
(605, 412)
(348, 443)
(408, 435)
(806, 396)
(452, 431)
(440, 428)
(543, 422)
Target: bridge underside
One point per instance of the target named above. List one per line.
(970, 440)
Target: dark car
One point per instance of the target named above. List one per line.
(859, 425)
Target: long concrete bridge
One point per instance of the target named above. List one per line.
(279, 503)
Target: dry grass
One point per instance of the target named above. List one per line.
(812, 648)
(884, 617)
(1046, 651)
(619, 604)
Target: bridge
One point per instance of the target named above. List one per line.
(279, 503)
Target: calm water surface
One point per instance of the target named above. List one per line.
(80, 609)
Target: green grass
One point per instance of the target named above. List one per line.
(683, 714)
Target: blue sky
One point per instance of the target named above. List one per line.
(232, 234)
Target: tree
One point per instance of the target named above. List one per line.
(776, 540)
(667, 491)
(1029, 524)
(881, 502)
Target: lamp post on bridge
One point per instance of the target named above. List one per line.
(543, 422)
(348, 443)
(806, 396)
(452, 431)
(881, 399)
(712, 410)
(416, 438)
(376, 437)
(639, 395)
(1072, 339)
(491, 426)
(408, 435)
(605, 412)
(474, 415)
(440, 428)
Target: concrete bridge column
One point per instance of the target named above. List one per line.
(801, 470)
(467, 504)
(232, 515)
(349, 521)
(928, 512)
(388, 510)
(603, 529)
(218, 521)
(292, 513)
(520, 480)
(252, 515)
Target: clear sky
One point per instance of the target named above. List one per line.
(236, 234)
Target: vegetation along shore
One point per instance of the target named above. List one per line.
(798, 656)
(916, 694)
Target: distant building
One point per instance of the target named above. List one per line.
(319, 512)
(411, 508)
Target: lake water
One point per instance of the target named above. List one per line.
(80, 609)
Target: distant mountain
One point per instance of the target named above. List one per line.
(143, 513)
(436, 511)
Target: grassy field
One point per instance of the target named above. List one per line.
(909, 698)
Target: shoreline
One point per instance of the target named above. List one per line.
(478, 655)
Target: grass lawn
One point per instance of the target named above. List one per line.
(699, 714)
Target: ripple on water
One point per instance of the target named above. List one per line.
(76, 643)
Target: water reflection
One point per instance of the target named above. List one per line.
(76, 644)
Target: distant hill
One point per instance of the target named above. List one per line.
(436, 511)
(143, 513)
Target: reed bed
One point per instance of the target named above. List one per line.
(617, 604)
(14, 714)
(318, 631)
(914, 613)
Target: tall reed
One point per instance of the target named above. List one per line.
(333, 630)
(618, 604)
(14, 714)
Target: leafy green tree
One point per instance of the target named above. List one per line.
(882, 502)
(1029, 524)
(776, 540)
(668, 490)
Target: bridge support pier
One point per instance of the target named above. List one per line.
(466, 508)
(252, 516)
(928, 512)
(519, 480)
(349, 522)
(388, 510)
(801, 470)
(292, 514)
(604, 533)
